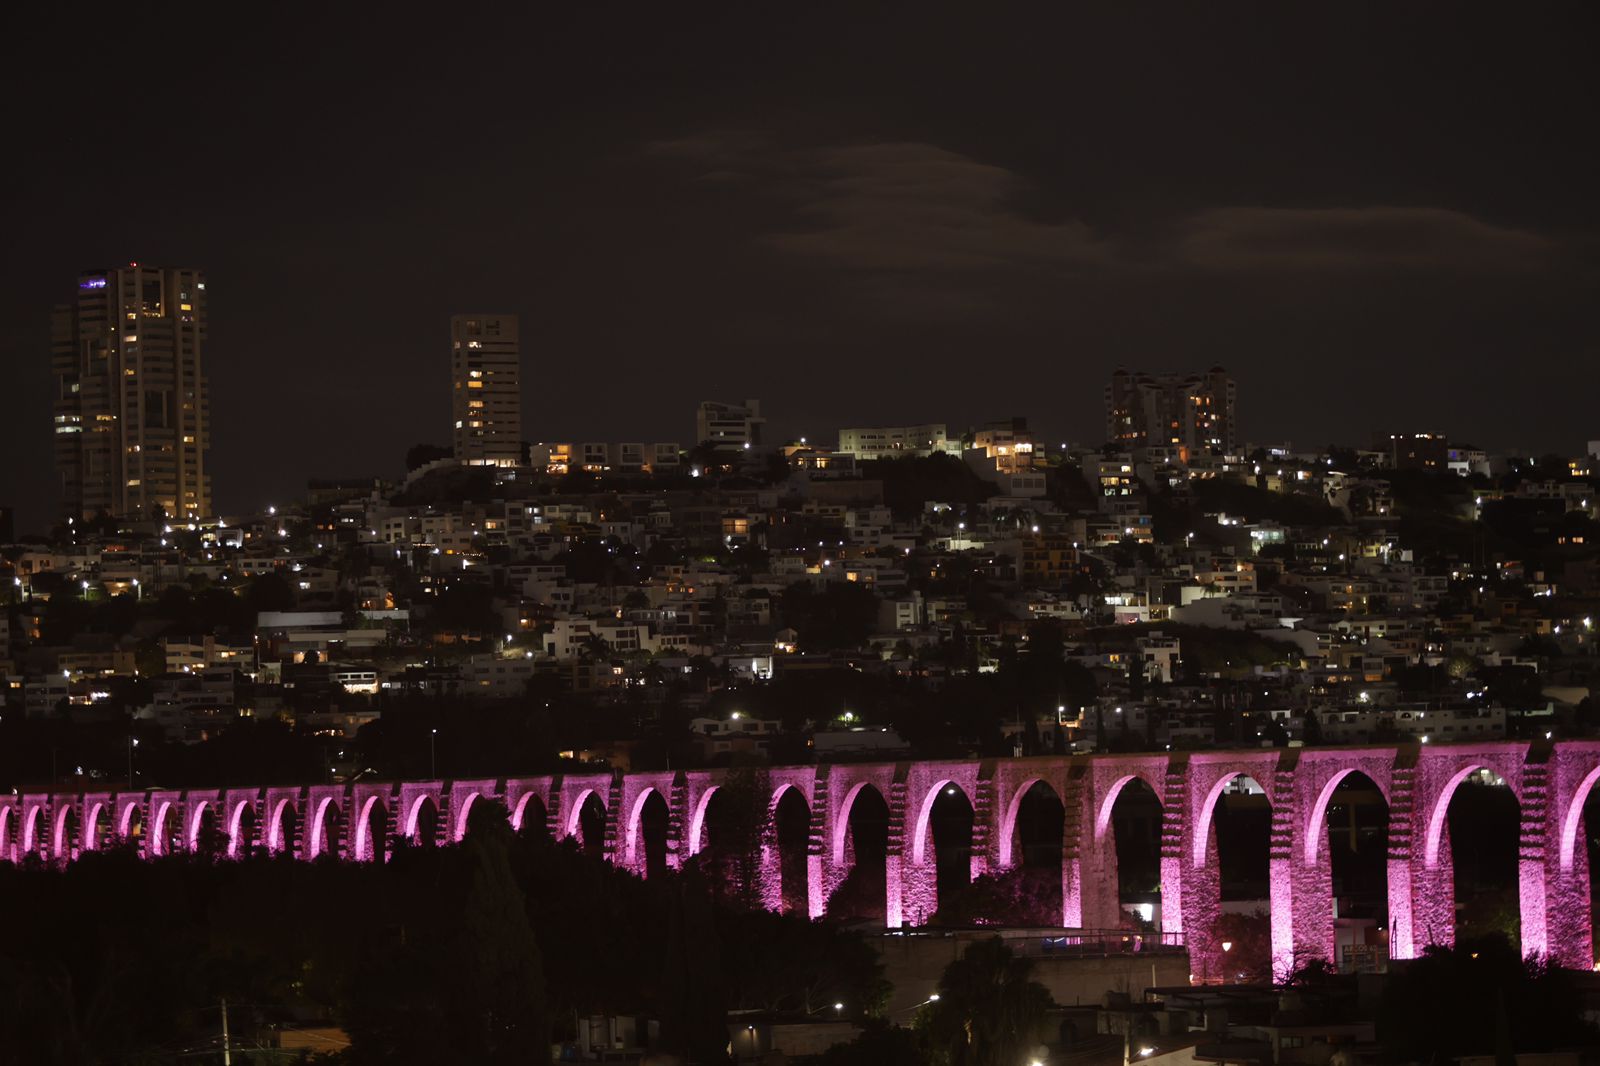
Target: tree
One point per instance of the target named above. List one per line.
(989, 1009)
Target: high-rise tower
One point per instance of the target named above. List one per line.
(486, 390)
(132, 409)
(1188, 413)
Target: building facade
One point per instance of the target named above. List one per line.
(729, 426)
(486, 389)
(892, 442)
(132, 406)
(1193, 413)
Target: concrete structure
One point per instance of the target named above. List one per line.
(891, 442)
(132, 408)
(1192, 413)
(607, 812)
(486, 389)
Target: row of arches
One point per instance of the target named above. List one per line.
(930, 857)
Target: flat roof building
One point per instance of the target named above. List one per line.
(486, 389)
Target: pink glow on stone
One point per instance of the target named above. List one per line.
(1573, 822)
(919, 841)
(235, 819)
(632, 853)
(275, 841)
(90, 837)
(575, 814)
(30, 829)
(318, 817)
(1202, 822)
(697, 820)
(467, 801)
(1441, 809)
(363, 836)
(158, 834)
(1008, 825)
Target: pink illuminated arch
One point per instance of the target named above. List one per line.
(634, 830)
(520, 811)
(191, 835)
(573, 823)
(697, 821)
(5, 832)
(91, 830)
(461, 816)
(841, 826)
(1569, 825)
(363, 843)
(30, 829)
(919, 842)
(1314, 834)
(275, 841)
(412, 813)
(1202, 832)
(1102, 817)
(318, 819)
(125, 820)
(61, 845)
(235, 818)
(158, 830)
(1008, 827)
(1441, 808)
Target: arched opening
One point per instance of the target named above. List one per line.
(166, 830)
(650, 844)
(32, 843)
(861, 845)
(1031, 858)
(284, 835)
(65, 845)
(242, 833)
(327, 830)
(591, 824)
(98, 830)
(1484, 823)
(206, 836)
(372, 831)
(1237, 822)
(531, 818)
(1355, 832)
(132, 829)
(1587, 848)
(949, 844)
(424, 822)
(7, 831)
(792, 829)
(1134, 821)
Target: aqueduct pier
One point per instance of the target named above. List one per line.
(359, 822)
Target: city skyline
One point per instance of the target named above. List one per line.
(1364, 253)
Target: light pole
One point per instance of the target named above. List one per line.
(133, 742)
(433, 762)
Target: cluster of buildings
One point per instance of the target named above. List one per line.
(1151, 556)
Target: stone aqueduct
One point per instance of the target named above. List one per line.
(1550, 781)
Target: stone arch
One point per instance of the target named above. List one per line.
(422, 820)
(7, 827)
(633, 835)
(575, 820)
(30, 829)
(93, 838)
(130, 824)
(462, 815)
(529, 805)
(1208, 810)
(191, 832)
(159, 841)
(325, 825)
(697, 820)
(1573, 822)
(1108, 805)
(64, 832)
(841, 827)
(1010, 826)
(1315, 834)
(788, 873)
(1441, 810)
(283, 810)
(241, 829)
(371, 834)
(923, 834)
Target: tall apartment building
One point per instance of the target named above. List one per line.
(486, 389)
(729, 426)
(132, 407)
(1191, 413)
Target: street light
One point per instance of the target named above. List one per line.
(433, 762)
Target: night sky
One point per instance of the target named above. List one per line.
(1377, 218)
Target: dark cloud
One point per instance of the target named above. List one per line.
(1374, 239)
